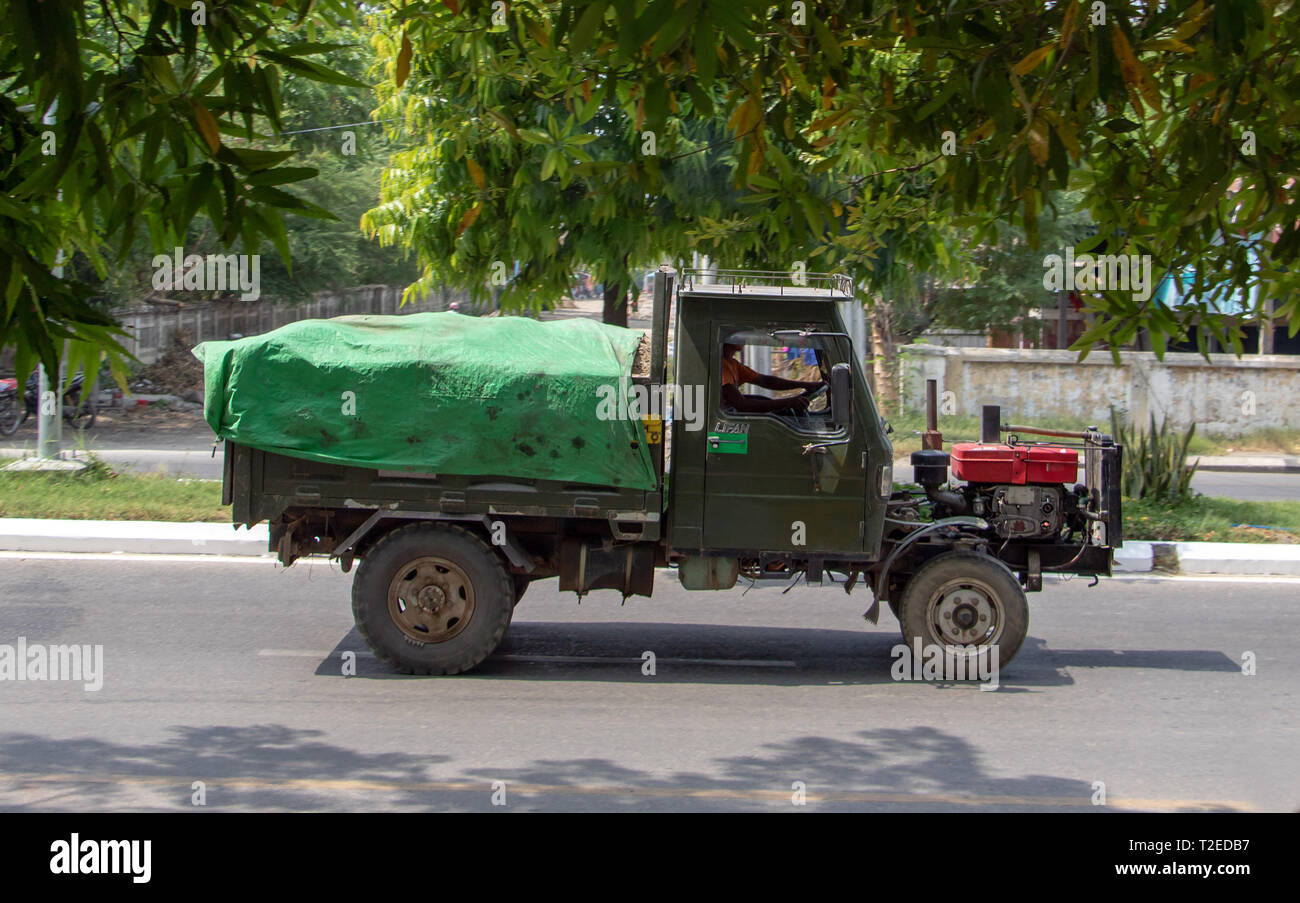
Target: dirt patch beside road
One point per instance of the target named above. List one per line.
(149, 426)
(153, 426)
(177, 372)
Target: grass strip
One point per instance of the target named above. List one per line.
(98, 494)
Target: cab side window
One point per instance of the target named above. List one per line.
(760, 376)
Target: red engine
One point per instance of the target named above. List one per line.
(1026, 491)
(974, 462)
(1020, 489)
(1023, 491)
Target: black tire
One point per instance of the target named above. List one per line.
(11, 415)
(966, 585)
(400, 594)
(79, 412)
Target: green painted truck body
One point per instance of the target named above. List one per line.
(760, 494)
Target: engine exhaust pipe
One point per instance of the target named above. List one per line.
(991, 425)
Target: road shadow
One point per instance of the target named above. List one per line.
(268, 753)
(273, 767)
(729, 654)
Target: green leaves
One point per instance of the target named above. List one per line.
(313, 71)
(151, 127)
(534, 168)
(282, 175)
(563, 143)
(586, 25)
(772, 140)
(1155, 460)
(1136, 111)
(207, 125)
(1031, 61)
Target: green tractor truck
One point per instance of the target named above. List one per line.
(668, 475)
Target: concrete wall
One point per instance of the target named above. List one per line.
(150, 328)
(955, 338)
(1225, 395)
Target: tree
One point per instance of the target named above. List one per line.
(151, 109)
(1010, 273)
(329, 128)
(511, 186)
(1001, 103)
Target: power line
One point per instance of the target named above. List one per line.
(326, 128)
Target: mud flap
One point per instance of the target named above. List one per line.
(872, 614)
(628, 568)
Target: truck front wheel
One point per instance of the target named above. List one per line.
(970, 605)
(432, 599)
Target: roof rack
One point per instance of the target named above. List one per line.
(768, 282)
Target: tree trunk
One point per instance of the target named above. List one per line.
(1062, 320)
(1266, 328)
(615, 305)
(884, 357)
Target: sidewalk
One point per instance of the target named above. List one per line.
(1255, 559)
(196, 463)
(1247, 463)
(161, 538)
(28, 534)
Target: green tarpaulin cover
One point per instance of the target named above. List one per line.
(434, 392)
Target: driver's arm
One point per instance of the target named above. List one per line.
(775, 382)
(733, 398)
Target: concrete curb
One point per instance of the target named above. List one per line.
(120, 455)
(902, 466)
(20, 534)
(24, 534)
(1240, 558)
(1247, 463)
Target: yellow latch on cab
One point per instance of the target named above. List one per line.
(654, 430)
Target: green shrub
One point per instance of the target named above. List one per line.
(1200, 518)
(1155, 461)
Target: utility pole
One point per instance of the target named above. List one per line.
(49, 401)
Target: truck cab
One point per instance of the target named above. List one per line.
(779, 486)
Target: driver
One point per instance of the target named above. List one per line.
(735, 374)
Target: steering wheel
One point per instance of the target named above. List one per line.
(811, 396)
(817, 392)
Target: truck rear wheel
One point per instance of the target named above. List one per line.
(432, 599)
(969, 604)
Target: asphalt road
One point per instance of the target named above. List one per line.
(1252, 487)
(231, 673)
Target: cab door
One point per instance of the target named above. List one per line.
(765, 493)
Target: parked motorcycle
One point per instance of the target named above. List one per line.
(77, 411)
(11, 413)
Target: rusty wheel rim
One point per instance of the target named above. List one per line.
(966, 613)
(431, 600)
